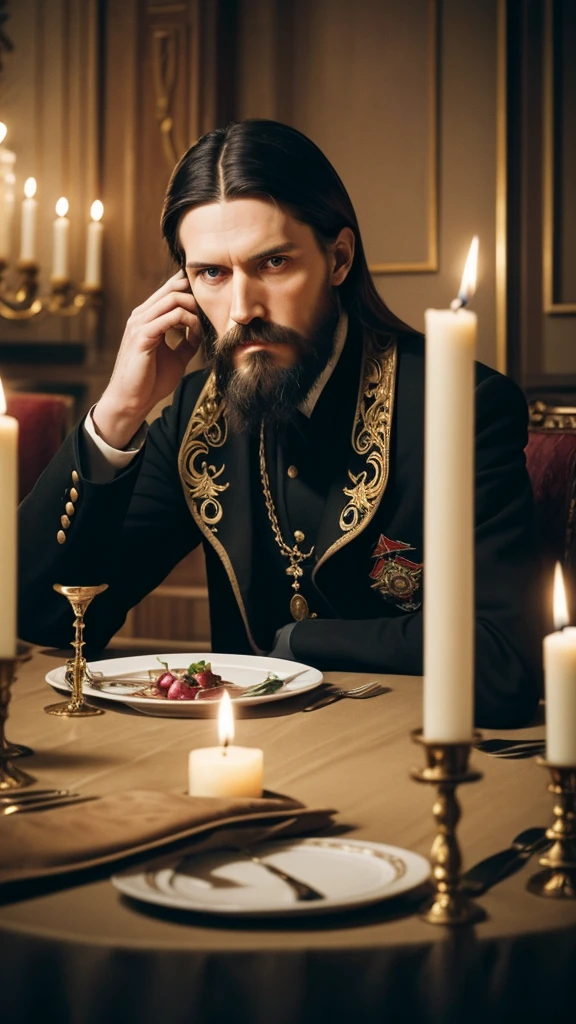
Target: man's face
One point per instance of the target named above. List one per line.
(268, 308)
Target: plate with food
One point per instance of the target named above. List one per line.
(190, 685)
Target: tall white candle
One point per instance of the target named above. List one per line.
(7, 179)
(449, 517)
(28, 228)
(225, 770)
(93, 273)
(60, 236)
(560, 682)
(8, 506)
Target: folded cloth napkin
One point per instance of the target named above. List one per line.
(39, 844)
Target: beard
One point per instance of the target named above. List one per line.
(258, 390)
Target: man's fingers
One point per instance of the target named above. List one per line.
(171, 300)
(154, 331)
(178, 282)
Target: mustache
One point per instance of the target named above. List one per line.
(256, 330)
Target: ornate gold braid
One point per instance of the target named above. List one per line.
(207, 429)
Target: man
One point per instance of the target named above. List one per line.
(295, 459)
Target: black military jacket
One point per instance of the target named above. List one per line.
(355, 489)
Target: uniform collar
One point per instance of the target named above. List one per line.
(307, 406)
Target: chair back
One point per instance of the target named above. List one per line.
(551, 462)
(44, 420)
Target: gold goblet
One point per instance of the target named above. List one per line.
(77, 706)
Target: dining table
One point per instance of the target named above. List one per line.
(74, 950)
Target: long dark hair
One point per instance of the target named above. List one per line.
(268, 160)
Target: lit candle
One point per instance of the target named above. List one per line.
(225, 770)
(61, 232)
(8, 506)
(28, 228)
(93, 274)
(7, 179)
(560, 682)
(449, 516)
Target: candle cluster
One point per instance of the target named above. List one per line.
(60, 230)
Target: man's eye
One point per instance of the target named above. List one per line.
(276, 261)
(211, 273)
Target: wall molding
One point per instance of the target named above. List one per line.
(430, 264)
(550, 306)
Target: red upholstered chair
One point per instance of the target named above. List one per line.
(551, 461)
(44, 421)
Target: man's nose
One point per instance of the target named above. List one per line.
(246, 302)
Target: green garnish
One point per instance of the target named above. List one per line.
(270, 685)
(199, 666)
(163, 663)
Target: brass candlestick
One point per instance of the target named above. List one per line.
(77, 706)
(11, 777)
(558, 880)
(447, 767)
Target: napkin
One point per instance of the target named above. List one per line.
(38, 844)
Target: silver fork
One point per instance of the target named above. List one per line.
(358, 692)
(41, 804)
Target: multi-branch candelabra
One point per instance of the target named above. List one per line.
(24, 302)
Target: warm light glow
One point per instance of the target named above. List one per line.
(468, 285)
(96, 210)
(30, 188)
(3, 132)
(225, 720)
(561, 617)
(62, 207)
(2, 401)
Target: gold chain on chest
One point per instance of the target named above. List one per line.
(298, 604)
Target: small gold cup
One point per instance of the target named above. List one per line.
(77, 706)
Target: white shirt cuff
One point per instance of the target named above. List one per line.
(104, 461)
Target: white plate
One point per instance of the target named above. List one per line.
(350, 873)
(244, 670)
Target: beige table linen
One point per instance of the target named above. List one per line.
(94, 956)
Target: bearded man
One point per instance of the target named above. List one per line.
(295, 458)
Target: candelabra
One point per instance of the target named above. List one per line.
(24, 303)
(558, 880)
(446, 768)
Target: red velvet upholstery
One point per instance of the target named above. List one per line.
(551, 461)
(44, 422)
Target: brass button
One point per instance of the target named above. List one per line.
(61, 536)
(74, 494)
(75, 477)
(299, 536)
(70, 509)
(292, 472)
(65, 522)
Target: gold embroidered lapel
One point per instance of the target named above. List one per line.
(202, 480)
(370, 441)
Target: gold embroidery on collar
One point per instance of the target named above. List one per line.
(207, 428)
(371, 439)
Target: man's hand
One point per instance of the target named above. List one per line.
(147, 369)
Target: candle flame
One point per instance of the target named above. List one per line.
(62, 206)
(3, 132)
(561, 617)
(96, 210)
(30, 188)
(2, 400)
(468, 283)
(225, 720)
